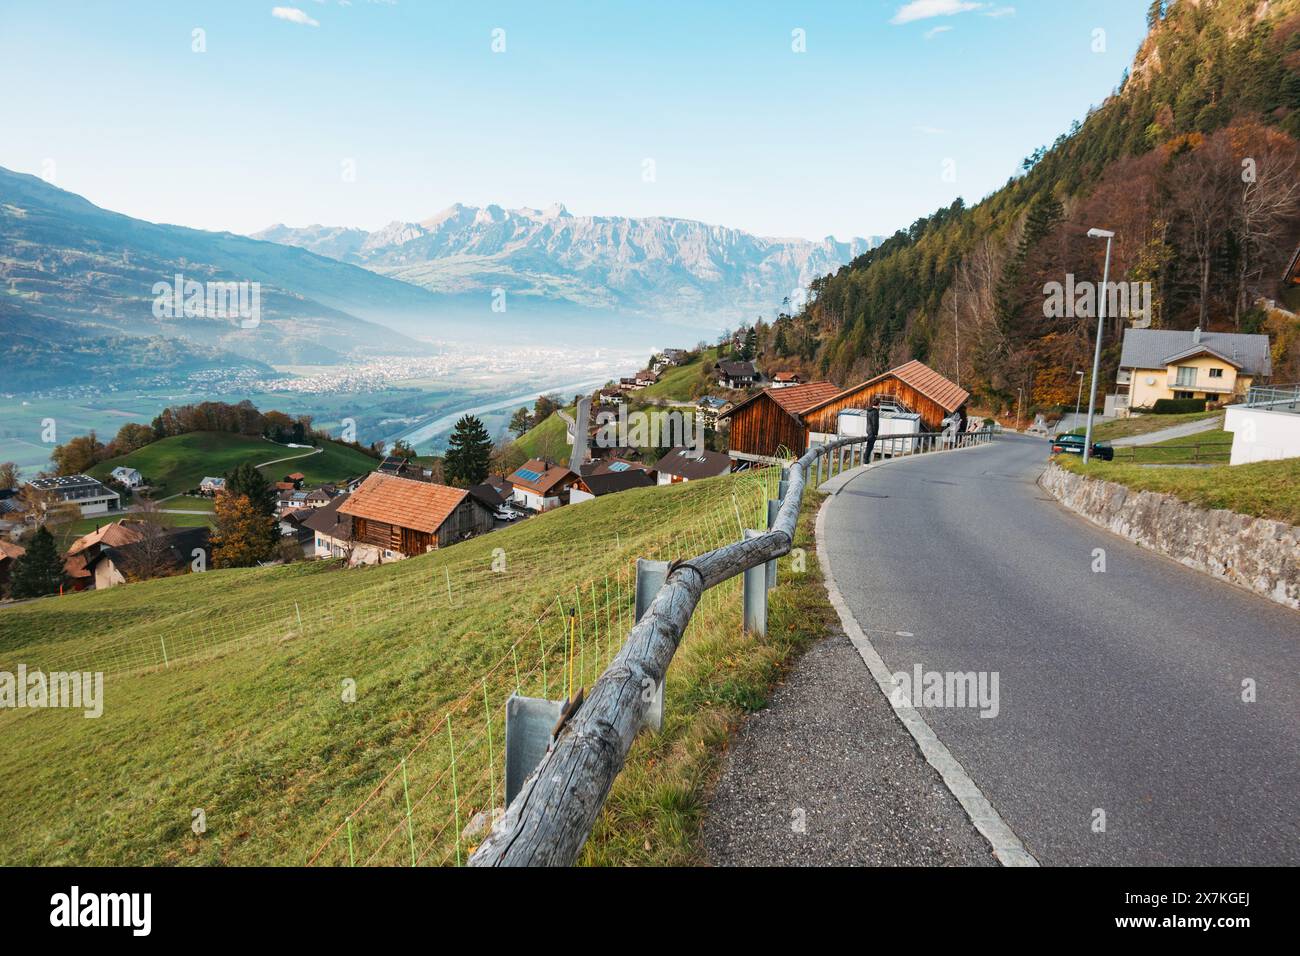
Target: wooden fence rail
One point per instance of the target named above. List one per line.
(553, 814)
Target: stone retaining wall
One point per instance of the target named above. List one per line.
(1253, 553)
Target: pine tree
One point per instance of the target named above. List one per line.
(40, 570)
(248, 482)
(469, 450)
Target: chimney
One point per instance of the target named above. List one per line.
(1196, 335)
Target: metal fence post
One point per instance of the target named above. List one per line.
(755, 595)
(772, 508)
(650, 577)
(782, 488)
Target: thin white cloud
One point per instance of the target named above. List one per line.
(926, 9)
(1000, 12)
(931, 34)
(293, 15)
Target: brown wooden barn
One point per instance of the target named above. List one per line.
(790, 418)
(402, 516)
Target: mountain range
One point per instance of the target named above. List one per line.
(675, 270)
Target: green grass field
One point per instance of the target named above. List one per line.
(547, 439)
(682, 383)
(225, 692)
(1213, 447)
(1266, 489)
(177, 464)
(1143, 425)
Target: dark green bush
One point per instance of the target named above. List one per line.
(1178, 406)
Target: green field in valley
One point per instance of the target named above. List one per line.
(175, 465)
(225, 692)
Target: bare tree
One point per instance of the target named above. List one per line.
(1269, 199)
(1204, 189)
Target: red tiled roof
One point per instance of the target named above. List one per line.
(919, 376)
(10, 550)
(403, 502)
(112, 535)
(800, 398)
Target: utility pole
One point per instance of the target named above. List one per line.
(1019, 394)
(1078, 398)
(956, 328)
(1101, 324)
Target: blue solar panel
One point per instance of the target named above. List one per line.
(619, 466)
(528, 474)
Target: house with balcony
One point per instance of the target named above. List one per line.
(1219, 367)
(87, 493)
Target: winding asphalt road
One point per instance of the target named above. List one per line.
(1119, 691)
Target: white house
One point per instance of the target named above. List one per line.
(130, 477)
(1266, 426)
(210, 486)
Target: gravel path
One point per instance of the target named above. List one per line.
(829, 754)
(1175, 431)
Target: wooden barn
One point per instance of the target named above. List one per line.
(769, 424)
(400, 517)
(792, 418)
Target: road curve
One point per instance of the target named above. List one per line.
(1119, 691)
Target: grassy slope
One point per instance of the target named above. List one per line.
(1142, 425)
(679, 383)
(1211, 446)
(547, 439)
(1269, 489)
(180, 463)
(257, 735)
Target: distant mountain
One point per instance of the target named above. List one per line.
(72, 274)
(676, 270)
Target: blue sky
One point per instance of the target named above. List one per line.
(847, 138)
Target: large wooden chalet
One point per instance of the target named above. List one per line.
(782, 423)
(399, 517)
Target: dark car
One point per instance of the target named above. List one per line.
(1073, 445)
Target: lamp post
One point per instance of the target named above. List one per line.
(1101, 324)
(1019, 394)
(1078, 398)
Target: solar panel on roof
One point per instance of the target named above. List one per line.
(527, 474)
(619, 466)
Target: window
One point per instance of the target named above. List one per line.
(1216, 373)
(1186, 376)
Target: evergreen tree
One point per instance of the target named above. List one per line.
(40, 570)
(247, 481)
(520, 422)
(469, 451)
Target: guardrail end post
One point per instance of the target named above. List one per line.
(754, 594)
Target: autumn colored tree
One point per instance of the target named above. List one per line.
(130, 437)
(243, 535)
(9, 476)
(520, 422)
(78, 454)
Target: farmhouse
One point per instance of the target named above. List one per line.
(114, 565)
(608, 483)
(782, 423)
(396, 518)
(786, 379)
(687, 464)
(540, 484)
(331, 531)
(81, 490)
(9, 553)
(733, 374)
(1165, 363)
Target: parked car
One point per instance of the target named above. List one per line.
(1073, 445)
(506, 514)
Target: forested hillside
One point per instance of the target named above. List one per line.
(1192, 162)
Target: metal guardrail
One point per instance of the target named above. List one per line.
(1275, 397)
(551, 817)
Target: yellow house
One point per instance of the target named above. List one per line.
(1165, 363)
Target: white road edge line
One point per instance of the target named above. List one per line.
(1007, 848)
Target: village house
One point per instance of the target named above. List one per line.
(9, 553)
(778, 424)
(610, 396)
(786, 379)
(708, 408)
(87, 493)
(210, 486)
(394, 518)
(540, 484)
(645, 378)
(1159, 364)
(114, 564)
(13, 513)
(130, 477)
(331, 532)
(597, 485)
(687, 464)
(735, 374)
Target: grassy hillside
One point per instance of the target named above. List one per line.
(547, 439)
(177, 464)
(683, 383)
(244, 715)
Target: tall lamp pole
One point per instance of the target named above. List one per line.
(1078, 399)
(1101, 324)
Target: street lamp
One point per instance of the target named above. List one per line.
(1101, 324)
(1077, 399)
(1019, 394)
